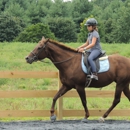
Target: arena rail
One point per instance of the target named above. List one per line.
(60, 112)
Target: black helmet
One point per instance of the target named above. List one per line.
(91, 22)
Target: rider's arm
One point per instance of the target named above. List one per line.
(94, 39)
(84, 45)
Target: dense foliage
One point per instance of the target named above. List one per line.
(65, 19)
(63, 28)
(10, 27)
(34, 33)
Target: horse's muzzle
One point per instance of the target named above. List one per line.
(30, 60)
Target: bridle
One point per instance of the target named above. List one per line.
(35, 56)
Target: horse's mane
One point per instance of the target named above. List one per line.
(62, 45)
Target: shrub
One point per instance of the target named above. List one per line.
(34, 33)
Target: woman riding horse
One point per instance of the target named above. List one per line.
(93, 44)
(68, 62)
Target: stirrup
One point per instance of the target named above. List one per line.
(88, 76)
(94, 77)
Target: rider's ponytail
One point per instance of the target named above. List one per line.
(95, 28)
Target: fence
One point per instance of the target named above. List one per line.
(60, 112)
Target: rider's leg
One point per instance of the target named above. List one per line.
(93, 55)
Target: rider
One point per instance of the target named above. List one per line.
(92, 45)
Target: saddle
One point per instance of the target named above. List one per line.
(86, 54)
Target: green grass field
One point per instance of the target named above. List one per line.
(12, 57)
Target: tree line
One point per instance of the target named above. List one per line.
(29, 20)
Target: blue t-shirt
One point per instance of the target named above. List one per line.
(97, 44)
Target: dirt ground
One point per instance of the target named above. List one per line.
(66, 125)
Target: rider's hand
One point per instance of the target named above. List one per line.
(77, 49)
(81, 50)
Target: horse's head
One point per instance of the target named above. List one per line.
(39, 52)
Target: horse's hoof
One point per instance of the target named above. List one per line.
(84, 120)
(101, 120)
(53, 118)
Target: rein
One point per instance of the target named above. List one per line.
(35, 58)
(58, 62)
(64, 60)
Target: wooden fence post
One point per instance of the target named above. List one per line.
(59, 102)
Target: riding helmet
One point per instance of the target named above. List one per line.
(91, 22)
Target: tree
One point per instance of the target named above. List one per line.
(107, 17)
(23, 3)
(15, 10)
(60, 9)
(81, 10)
(109, 13)
(3, 5)
(33, 14)
(82, 37)
(117, 26)
(63, 28)
(38, 10)
(102, 3)
(121, 28)
(108, 36)
(43, 7)
(33, 33)
(10, 27)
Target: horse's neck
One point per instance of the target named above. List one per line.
(57, 54)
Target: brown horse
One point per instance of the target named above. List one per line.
(68, 62)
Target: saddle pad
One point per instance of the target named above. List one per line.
(104, 65)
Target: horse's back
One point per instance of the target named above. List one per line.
(118, 71)
(119, 61)
(119, 65)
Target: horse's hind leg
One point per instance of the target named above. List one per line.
(126, 91)
(117, 97)
(119, 89)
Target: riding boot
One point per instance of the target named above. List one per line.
(94, 76)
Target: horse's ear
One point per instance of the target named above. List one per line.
(43, 38)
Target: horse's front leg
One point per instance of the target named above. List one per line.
(82, 94)
(61, 92)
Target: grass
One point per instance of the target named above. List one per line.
(12, 57)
